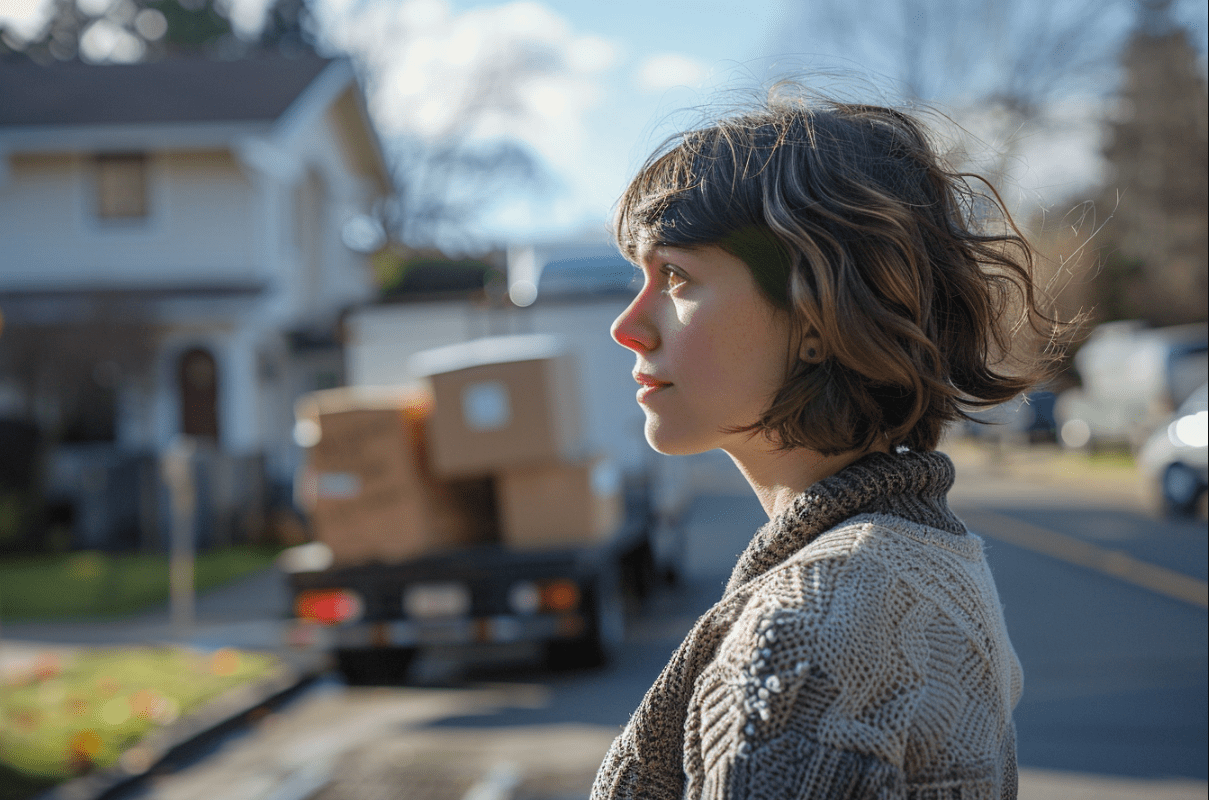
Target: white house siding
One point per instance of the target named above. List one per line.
(343, 276)
(210, 217)
(199, 227)
(35, 206)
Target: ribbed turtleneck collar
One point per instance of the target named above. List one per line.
(909, 485)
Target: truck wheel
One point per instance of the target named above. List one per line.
(1181, 490)
(605, 633)
(375, 666)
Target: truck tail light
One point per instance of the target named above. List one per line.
(329, 606)
(561, 595)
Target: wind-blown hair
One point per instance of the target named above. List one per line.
(848, 219)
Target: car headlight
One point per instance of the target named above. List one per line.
(1191, 430)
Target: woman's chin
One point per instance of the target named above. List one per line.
(666, 439)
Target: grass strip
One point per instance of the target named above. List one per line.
(94, 584)
(72, 714)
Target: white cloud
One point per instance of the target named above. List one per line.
(511, 71)
(592, 54)
(668, 70)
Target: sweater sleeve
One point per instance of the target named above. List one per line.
(814, 691)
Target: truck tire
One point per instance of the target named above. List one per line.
(605, 630)
(375, 666)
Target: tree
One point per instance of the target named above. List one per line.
(997, 65)
(445, 182)
(136, 30)
(1156, 263)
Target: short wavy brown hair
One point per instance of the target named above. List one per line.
(850, 221)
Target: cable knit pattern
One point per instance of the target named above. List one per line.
(858, 651)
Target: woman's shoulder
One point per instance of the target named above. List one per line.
(858, 570)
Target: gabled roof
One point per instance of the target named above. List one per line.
(174, 90)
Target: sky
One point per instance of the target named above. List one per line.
(617, 70)
(590, 87)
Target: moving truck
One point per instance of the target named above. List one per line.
(469, 507)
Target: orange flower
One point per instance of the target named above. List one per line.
(224, 662)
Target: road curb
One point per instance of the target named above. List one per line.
(228, 710)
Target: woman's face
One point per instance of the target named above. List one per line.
(711, 350)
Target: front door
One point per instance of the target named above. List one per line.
(199, 394)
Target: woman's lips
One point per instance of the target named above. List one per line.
(649, 385)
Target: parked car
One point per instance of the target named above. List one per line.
(1133, 378)
(1175, 457)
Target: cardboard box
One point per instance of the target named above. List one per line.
(553, 505)
(370, 494)
(501, 402)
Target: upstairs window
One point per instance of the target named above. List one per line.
(122, 186)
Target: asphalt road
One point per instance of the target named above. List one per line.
(1115, 669)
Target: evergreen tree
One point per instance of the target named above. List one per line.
(136, 30)
(1155, 264)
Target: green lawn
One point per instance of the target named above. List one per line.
(92, 584)
(68, 715)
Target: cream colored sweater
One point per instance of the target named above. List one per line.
(858, 651)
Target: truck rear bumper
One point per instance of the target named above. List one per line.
(503, 629)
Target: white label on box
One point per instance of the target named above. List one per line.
(485, 406)
(606, 478)
(338, 485)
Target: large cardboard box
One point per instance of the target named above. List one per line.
(501, 402)
(553, 505)
(372, 497)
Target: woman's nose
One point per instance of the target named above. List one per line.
(633, 329)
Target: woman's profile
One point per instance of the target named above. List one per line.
(821, 297)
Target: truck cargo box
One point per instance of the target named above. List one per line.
(501, 403)
(548, 505)
(370, 493)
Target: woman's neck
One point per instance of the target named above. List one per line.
(778, 476)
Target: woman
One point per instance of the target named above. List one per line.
(819, 302)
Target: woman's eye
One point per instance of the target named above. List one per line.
(672, 278)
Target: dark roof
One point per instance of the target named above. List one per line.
(169, 90)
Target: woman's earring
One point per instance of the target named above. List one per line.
(811, 350)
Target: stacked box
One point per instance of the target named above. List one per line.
(373, 496)
(490, 450)
(558, 504)
(501, 403)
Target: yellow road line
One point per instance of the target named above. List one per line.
(1114, 563)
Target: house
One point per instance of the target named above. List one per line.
(176, 228)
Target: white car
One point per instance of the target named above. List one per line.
(1176, 455)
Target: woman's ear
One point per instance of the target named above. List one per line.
(811, 350)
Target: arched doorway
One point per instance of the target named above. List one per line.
(198, 377)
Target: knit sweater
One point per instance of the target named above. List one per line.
(859, 651)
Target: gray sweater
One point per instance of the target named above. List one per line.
(858, 651)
